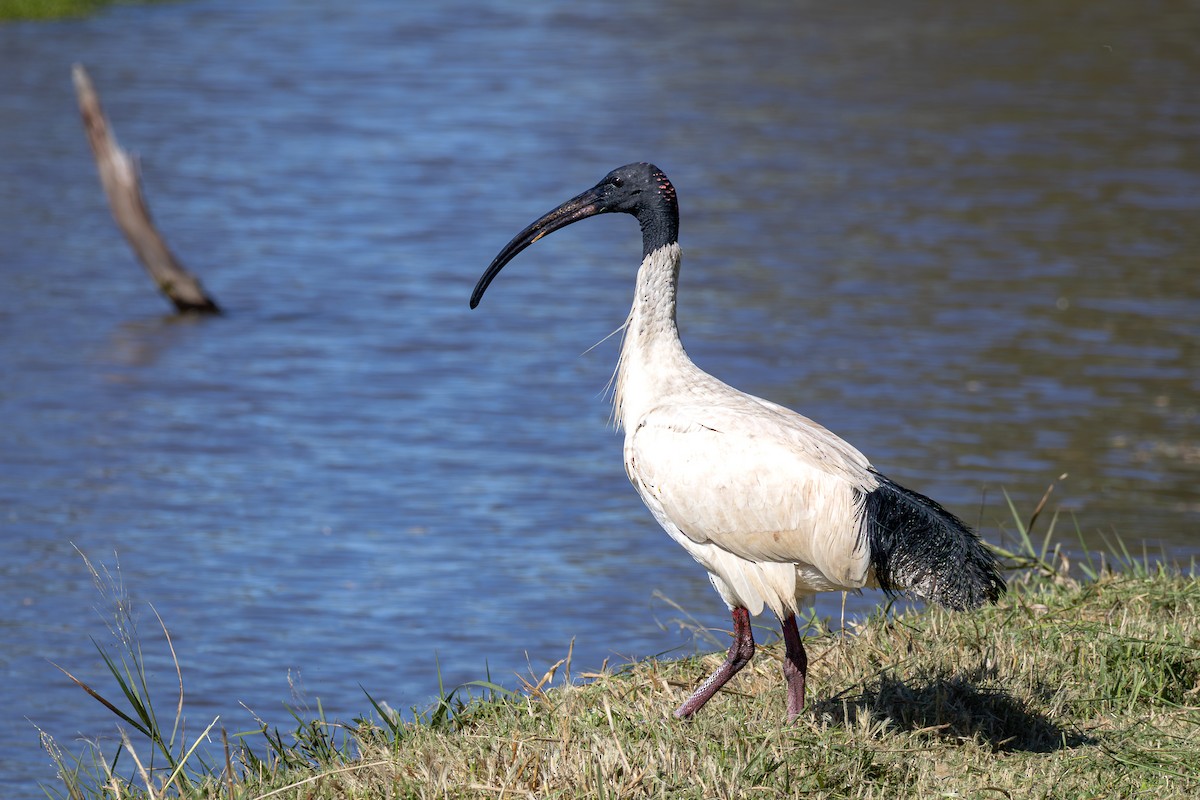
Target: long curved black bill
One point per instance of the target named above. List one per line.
(580, 207)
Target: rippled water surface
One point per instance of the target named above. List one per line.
(966, 239)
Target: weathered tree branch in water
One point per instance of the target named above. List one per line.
(119, 177)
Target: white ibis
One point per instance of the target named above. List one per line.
(773, 505)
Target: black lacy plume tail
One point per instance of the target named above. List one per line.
(920, 548)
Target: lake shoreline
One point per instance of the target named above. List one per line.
(1065, 688)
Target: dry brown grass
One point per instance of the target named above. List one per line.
(1064, 690)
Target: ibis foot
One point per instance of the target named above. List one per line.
(740, 653)
(795, 667)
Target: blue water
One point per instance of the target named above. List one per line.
(963, 239)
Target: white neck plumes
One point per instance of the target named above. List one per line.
(653, 362)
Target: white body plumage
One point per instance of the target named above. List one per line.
(768, 501)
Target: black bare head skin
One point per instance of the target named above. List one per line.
(639, 189)
(643, 190)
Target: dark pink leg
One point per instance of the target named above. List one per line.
(740, 653)
(795, 667)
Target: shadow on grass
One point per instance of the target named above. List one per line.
(952, 707)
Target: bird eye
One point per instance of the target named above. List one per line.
(617, 183)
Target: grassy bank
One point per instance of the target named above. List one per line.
(52, 9)
(1066, 689)
(47, 9)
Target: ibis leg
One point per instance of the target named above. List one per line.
(740, 653)
(795, 667)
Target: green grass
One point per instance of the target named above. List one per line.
(47, 9)
(51, 9)
(1072, 687)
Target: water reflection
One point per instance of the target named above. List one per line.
(141, 343)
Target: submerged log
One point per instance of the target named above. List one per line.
(118, 175)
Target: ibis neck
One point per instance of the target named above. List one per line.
(660, 225)
(652, 358)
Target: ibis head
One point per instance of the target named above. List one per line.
(639, 189)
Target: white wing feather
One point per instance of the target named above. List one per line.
(759, 482)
